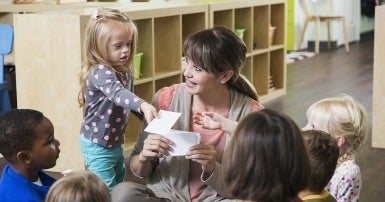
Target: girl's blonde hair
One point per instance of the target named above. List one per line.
(97, 33)
(341, 116)
(79, 186)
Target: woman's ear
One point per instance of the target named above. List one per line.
(23, 157)
(226, 76)
(340, 141)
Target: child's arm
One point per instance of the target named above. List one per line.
(149, 111)
(212, 121)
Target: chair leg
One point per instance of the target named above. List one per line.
(329, 44)
(316, 42)
(345, 35)
(302, 35)
(5, 102)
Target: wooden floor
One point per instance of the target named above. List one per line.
(329, 74)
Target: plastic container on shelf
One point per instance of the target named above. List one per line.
(137, 63)
(240, 32)
(271, 35)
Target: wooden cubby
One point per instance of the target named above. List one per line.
(263, 59)
(48, 56)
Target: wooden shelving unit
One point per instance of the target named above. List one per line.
(48, 56)
(263, 59)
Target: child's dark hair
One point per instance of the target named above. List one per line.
(217, 50)
(17, 130)
(323, 154)
(266, 159)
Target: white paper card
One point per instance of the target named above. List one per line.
(163, 124)
(182, 140)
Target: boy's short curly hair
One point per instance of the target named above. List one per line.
(17, 130)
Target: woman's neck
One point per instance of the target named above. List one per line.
(218, 101)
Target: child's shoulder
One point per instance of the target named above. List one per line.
(101, 67)
(349, 168)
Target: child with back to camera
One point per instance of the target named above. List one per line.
(79, 186)
(28, 143)
(344, 118)
(323, 154)
(266, 160)
(107, 93)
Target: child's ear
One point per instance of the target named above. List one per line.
(226, 76)
(340, 141)
(23, 157)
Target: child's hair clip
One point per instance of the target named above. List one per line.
(95, 14)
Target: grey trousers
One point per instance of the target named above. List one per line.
(133, 192)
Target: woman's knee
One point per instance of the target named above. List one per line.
(129, 191)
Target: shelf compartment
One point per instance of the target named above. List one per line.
(277, 19)
(277, 67)
(243, 20)
(145, 37)
(224, 18)
(260, 73)
(167, 44)
(261, 22)
(192, 23)
(144, 91)
(168, 81)
(247, 69)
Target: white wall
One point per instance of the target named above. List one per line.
(350, 8)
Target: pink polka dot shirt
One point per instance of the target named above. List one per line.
(345, 185)
(109, 101)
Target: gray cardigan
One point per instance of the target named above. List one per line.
(169, 178)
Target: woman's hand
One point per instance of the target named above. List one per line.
(149, 111)
(203, 154)
(155, 146)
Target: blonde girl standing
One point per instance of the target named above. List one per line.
(107, 93)
(345, 119)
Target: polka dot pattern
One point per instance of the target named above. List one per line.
(109, 102)
(346, 183)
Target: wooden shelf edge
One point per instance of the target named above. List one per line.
(144, 80)
(272, 95)
(276, 47)
(166, 74)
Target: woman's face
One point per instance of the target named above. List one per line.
(199, 81)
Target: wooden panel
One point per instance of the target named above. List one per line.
(48, 64)
(378, 136)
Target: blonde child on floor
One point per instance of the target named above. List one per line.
(344, 118)
(107, 93)
(79, 186)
